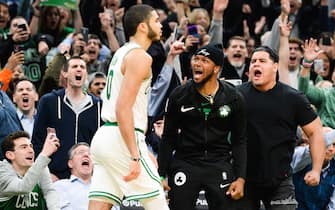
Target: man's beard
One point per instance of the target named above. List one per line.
(237, 64)
(152, 35)
(206, 79)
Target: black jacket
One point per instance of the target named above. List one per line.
(199, 131)
(228, 71)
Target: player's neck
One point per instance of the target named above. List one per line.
(143, 41)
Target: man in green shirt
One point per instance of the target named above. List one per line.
(322, 98)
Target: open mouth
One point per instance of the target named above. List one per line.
(25, 99)
(78, 78)
(85, 162)
(237, 55)
(257, 73)
(197, 72)
(292, 58)
(29, 158)
(91, 52)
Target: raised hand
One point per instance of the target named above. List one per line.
(285, 7)
(51, 144)
(285, 26)
(311, 49)
(15, 59)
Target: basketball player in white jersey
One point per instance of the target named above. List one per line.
(122, 167)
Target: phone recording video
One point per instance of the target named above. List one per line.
(84, 32)
(193, 30)
(18, 48)
(326, 39)
(175, 33)
(318, 65)
(22, 26)
(51, 131)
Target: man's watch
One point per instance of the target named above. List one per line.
(135, 159)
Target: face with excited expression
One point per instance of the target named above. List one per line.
(80, 161)
(203, 69)
(295, 56)
(262, 71)
(76, 73)
(22, 156)
(25, 96)
(237, 52)
(97, 85)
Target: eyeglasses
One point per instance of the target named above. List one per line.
(99, 83)
(82, 152)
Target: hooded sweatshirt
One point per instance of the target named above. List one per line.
(71, 125)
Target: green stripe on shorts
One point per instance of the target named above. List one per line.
(142, 196)
(106, 195)
(151, 174)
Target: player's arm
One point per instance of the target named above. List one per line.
(313, 130)
(135, 68)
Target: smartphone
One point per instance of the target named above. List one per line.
(18, 48)
(175, 33)
(22, 26)
(318, 65)
(193, 30)
(84, 32)
(326, 40)
(110, 13)
(51, 130)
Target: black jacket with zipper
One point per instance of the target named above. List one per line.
(196, 130)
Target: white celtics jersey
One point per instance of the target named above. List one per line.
(112, 89)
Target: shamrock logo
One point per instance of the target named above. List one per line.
(224, 111)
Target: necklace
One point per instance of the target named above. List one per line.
(210, 97)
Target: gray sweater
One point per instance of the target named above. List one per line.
(12, 184)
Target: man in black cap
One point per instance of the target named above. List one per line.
(203, 144)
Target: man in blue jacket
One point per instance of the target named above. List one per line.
(74, 114)
(9, 121)
(321, 196)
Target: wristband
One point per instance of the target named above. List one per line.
(307, 61)
(135, 159)
(162, 178)
(306, 64)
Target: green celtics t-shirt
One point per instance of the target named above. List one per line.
(30, 201)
